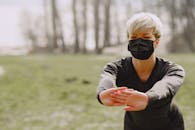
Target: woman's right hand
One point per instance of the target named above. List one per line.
(107, 97)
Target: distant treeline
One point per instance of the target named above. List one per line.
(103, 24)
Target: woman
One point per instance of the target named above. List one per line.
(145, 83)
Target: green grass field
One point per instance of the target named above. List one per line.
(45, 92)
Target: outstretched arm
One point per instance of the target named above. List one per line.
(159, 95)
(107, 85)
(164, 90)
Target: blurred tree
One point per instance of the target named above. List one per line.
(173, 16)
(96, 4)
(76, 26)
(189, 28)
(107, 20)
(54, 16)
(84, 13)
(107, 5)
(48, 38)
(44, 31)
(32, 35)
(117, 25)
(181, 25)
(57, 32)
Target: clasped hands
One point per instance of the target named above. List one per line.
(122, 96)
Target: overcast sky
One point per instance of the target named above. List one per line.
(20, 2)
(10, 34)
(10, 14)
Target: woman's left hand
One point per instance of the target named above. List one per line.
(136, 101)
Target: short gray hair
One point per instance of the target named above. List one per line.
(142, 21)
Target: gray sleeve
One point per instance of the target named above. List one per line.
(164, 90)
(107, 79)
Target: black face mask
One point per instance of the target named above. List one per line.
(140, 48)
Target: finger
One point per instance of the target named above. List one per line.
(112, 90)
(119, 100)
(129, 108)
(125, 93)
(120, 88)
(119, 97)
(128, 92)
(118, 104)
(118, 91)
(130, 89)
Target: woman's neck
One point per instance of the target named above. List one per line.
(144, 66)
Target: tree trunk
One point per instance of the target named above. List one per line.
(98, 50)
(61, 35)
(84, 2)
(76, 30)
(118, 28)
(173, 25)
(54, 28)
(46, 24)
(189, 29)
(107, 23)
(57, 27)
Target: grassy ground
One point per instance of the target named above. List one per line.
(58, 93)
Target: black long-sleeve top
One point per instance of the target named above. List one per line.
(162, 85)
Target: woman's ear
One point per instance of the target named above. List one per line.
(156, 42)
